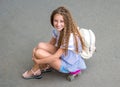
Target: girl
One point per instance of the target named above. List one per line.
(62, 52)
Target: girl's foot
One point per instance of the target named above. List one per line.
(32, 75)
(45, 68)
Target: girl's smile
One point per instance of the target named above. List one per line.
(58, 22)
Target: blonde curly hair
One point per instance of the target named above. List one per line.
(70, 27)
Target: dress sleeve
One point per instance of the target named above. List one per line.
(54, 33)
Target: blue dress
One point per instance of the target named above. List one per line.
(72, 61)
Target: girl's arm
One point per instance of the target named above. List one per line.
(52, 41)
(50, 58)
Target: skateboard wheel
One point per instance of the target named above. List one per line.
(70, 77)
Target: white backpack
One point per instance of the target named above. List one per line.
(89, 40)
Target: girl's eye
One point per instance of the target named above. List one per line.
(55, 20)
(61, 21)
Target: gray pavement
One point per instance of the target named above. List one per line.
(24, 23)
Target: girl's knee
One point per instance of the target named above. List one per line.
(37, 53)
(41, 45)
(41, 53)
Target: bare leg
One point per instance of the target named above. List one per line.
(56, 63)
(43, 50)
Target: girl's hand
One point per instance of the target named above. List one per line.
(33, 52)
(36, 61)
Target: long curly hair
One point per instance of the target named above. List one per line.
(70, 27)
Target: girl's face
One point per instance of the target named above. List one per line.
(58, 22)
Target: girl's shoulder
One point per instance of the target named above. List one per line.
(54, 33)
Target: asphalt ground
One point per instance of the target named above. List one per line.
(25, 23)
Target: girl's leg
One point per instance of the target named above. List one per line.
(43, 50)
(42, 54)
(56, 64)
(47, 47)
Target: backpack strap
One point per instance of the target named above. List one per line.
(90, 40)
